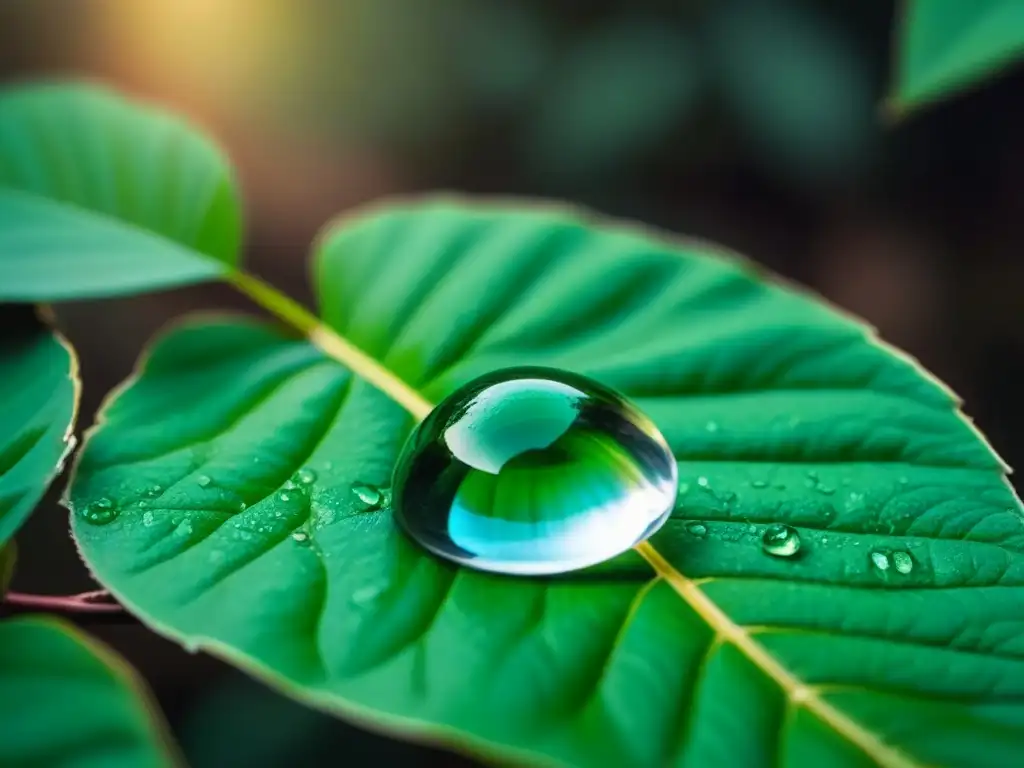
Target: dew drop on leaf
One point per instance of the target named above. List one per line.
(148, 519)
(154, 490)
(204, 481)
(902, 561)
(758, 484)
(306, 476)
(285, 496)
(300, 537)
(702, 482)
(99, 512)
(697, 529)
(367, 494)
(880, 559)
(781, 540)
(533, 471)
(184, 528)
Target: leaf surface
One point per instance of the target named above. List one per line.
(100, 196)
(68, 702)
(38, 404)
(778, 409)
(946, 45)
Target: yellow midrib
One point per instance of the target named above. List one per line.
(798, 693)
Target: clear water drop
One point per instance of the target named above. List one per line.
(149, 519)
(533, 471)
(367, 494)
(711, 426)
(285, 496)
(781, 540)
(184, 528)
(99, 512)
(242, 506)
(306, 476)
(758, 484)
(204, 481)
(697, 529)
(154, 490)
(902, 561)
(290, 484)
(703, 482)
(880, 559)
(301, 537)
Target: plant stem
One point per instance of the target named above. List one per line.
(332, 344)
(97, 601)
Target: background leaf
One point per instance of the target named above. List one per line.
(8, 558)
(65, 700)
(38, 403)
(100, 196)
(777, 408)
(945, 45)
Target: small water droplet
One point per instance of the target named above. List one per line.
(697, 529)
(306, 476)
(100, 512)
(758, 484)
(366, 594)
(711, 426)
(824, 539)
(781, 540)
(301, 537)
(204, 480)
(148, 519)
(903, 561)
(904, 480)
(242, 506)
(827, 490)
(184, 528)
(290, 485)
(367, 494)
(684, 489)
(880, 559)
(284, 496)
(143, 504)
(154, 490)
(751, 528)
(702, 482)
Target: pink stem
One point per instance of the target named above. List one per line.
(86, 602)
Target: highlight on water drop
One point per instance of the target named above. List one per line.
(533, 471)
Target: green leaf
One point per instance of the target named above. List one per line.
(778, 408)
(38, 404)
(65, 700)
(946, 45)
(8, 559)
(100, 196)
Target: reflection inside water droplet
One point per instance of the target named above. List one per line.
(533, 471)
(99, 512)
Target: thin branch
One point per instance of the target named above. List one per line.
(86, 603)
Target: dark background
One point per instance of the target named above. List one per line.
(754, 123)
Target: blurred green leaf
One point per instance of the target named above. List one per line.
(68, 702)
(38, 404)
(799, 90)
(100, 196)
(8, 559)
(946, 45)
(611, 98)
(777, 408)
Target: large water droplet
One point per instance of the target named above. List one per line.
(781, 540)
(99, 512)
(367, 494)
(533, 471)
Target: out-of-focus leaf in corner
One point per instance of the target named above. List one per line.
(945, 45)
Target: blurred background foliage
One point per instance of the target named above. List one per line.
(755, 123)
